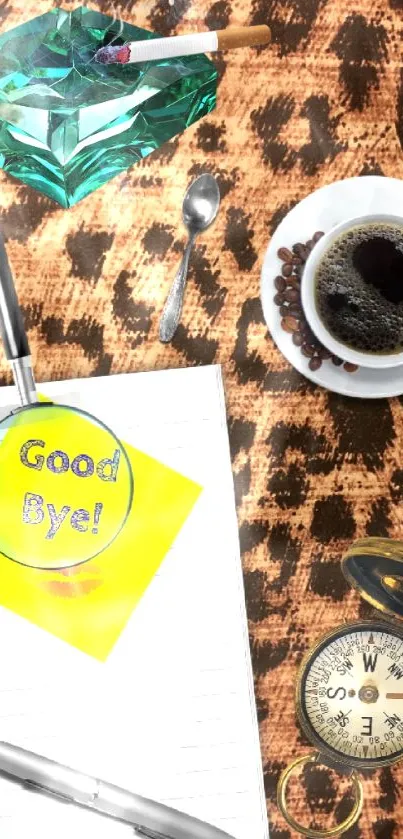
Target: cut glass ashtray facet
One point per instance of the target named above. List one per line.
(69, 124)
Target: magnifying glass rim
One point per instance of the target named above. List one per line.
(23, 408)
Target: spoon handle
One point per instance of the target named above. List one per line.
(173, 306)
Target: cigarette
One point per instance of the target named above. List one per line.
(157, 49)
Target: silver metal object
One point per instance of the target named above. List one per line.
(24, 380)
(12, 329)
(200, 207)
(147, 817)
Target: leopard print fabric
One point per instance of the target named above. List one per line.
(312, 470)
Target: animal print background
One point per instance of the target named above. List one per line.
(312, 470)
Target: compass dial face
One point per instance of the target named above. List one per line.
(350, 695)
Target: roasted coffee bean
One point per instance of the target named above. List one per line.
(337, 361)
(318, 235)
(286, 269)
(310, 244)
(295, 310)
(298, 269)
(291, 295)
(293, 282)
(296, 260)
(350, 368)
(306, 331)
(284, 254)
(284, 310)
(280, 284)
(301, 251)
(279, 298)
(315, 343)
(315, 363)
(308, 350)
(298, 339)
(324, 353)
(289, 324)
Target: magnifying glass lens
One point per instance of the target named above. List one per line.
(66, 486)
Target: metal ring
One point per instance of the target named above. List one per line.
(317, 834)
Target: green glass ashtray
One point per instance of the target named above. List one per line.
(69, 124)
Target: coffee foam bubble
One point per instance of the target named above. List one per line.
(354, 310)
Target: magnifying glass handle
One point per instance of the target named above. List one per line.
(13, 332)
(24, 380)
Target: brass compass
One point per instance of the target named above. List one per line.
(349, 696)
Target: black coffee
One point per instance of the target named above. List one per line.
(359, 288)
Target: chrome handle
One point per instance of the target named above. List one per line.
(173, 306)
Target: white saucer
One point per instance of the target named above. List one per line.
(322, 210)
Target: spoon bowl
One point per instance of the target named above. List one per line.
(201, 203)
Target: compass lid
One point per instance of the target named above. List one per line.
(374, 567)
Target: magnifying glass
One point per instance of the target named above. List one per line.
(66, 483)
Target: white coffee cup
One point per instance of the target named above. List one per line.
(308, 297)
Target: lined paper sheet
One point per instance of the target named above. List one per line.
(171, 714)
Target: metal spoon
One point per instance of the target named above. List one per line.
(200, 207)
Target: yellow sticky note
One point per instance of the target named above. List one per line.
(88, 605)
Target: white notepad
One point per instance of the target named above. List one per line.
(171, 714)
